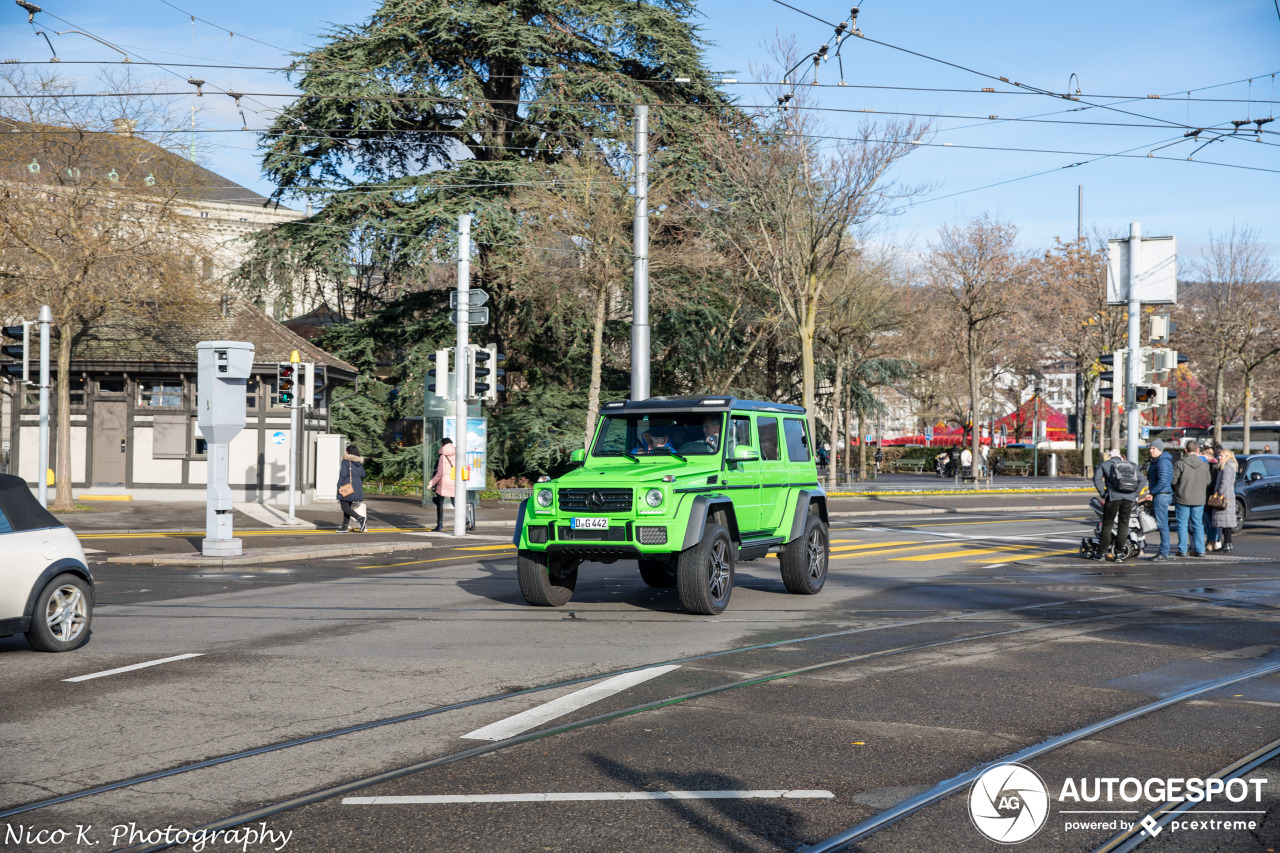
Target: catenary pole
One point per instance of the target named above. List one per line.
(640, 267)
(46, 319)
(1133, 374)
(460, 374)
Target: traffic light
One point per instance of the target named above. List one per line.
(498, 373)
(313, 382)
(1116, 361)
(286, 375)
(21, 352)
(1144, 394)
(440, 373)
(1164, 395)
(478, 371)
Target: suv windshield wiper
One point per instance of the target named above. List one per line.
(672, 453)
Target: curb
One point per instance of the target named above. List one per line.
(254, 558)
(953, 510)
(256, 531)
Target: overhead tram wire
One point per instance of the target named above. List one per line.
(724, 81)
(993, 77)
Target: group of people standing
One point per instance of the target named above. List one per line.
(1200, 487)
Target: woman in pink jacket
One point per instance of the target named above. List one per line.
(442, 482)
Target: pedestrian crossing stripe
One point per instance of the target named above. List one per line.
(968, 552)
(883, 550)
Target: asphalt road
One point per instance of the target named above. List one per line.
(940, 644)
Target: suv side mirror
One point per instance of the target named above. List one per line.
(578, 455)
(743, 453)
(1255, 476)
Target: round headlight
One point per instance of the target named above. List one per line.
(544, 498)
(654, 497)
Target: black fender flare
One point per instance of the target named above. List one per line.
(66, 566)
(804, 499)
(702, 507)
(515, 539)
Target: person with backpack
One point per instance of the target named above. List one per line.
(1190, 484)
(1119, 482)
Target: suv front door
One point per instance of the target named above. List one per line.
(742, 479)
(773, 473)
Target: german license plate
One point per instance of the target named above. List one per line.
(589, 523)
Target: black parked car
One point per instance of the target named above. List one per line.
(1257, 488)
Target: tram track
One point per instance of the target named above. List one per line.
(333, 791)
(1187, 592)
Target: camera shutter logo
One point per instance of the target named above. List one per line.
(1009, 803)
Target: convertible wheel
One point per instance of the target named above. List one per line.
(658, 573)
(804, 559)
(704, 573)
(60, 621)
(545, 581)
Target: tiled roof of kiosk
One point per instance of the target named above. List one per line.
(132, 339)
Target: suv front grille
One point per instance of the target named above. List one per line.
(609, 534)
(595, 500)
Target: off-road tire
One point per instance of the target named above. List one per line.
(545, 581)
(704, 573)
(658, 573)
(804, 559)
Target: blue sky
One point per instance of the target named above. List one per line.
(1129, 48)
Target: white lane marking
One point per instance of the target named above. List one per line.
(526, 720)
(133, 667)
(608, 796)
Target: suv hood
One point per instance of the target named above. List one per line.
(647, 472)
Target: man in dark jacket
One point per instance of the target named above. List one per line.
(1190, 483)
(1160, 479)
(1119, 482)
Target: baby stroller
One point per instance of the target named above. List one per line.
(1141, 522)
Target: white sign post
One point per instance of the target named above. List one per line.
(1139, 271)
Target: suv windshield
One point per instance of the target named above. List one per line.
(688, 434)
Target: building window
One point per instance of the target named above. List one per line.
(111, 386)
(79, 393)
(160, 393)
(251, 387)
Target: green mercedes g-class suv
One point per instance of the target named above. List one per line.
(688, 487)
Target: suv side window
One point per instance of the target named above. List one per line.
(5, 526)
(1254, 467)
(739, 433)
(1273, 467)
(768, 429)
(797, 441)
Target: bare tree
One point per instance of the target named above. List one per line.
(1221, 308)
(977, 277)
(789, 213)
(91, 221)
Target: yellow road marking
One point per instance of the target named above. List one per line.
(873, 545)
(846, 540)
(966, 553)
(890, 551)
(271, 532)
(410, 563)
(1035, 554)
(961, 523)
(486, 548)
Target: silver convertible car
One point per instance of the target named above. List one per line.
(46, 590)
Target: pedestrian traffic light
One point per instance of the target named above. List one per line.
(498, 373)
(313, 382)
(286, 376)
(19, 351)
(440, 373)
(1144, 394)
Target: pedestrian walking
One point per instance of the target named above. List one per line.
(986, 453)
(1160, 493)
(1190, 483)
(1119, 483)
(1223, 499)
(351, 492)
(879, 459)
(442, 482)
